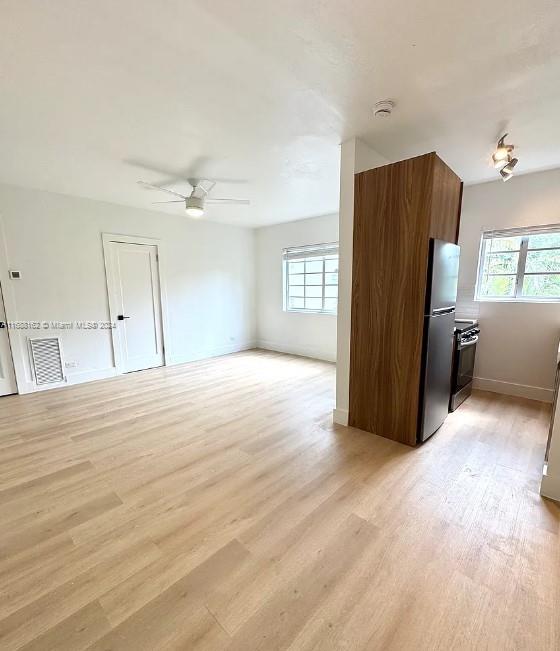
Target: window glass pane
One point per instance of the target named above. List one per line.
(544, 240)
(314, 291)
(313, 279)
(498, 286)
(313, 303)
(313, 266)
(298, 290)
(533, 257)
(501, 263)
(312, 282)
(543, 261)
(542, 286)
(504, 244)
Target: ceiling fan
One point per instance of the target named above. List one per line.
(197, 199)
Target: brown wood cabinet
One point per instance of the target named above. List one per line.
(397, 209)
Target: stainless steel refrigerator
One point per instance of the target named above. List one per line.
(437, 349)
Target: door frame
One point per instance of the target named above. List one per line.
(107, 239)
(11, 369)
(17, 348)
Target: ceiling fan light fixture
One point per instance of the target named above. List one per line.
(195, 212)
(194, 206)
(195, 202)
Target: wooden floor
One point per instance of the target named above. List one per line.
(215, 506)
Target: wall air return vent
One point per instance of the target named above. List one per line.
(46, 357)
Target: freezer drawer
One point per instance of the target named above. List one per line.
(437, 362)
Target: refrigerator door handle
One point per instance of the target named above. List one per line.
(443, 310)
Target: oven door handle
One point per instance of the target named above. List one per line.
(471, 342)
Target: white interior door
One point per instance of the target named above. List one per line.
(136, 306)
(7, 375)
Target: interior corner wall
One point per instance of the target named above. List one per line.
(516, 352)
(55, 241)
(310, 335)
(355, 157)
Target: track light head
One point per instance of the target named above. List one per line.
(502, 153)
(507, 170)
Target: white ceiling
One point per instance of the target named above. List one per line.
(96, 94)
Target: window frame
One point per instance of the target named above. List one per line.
(300, 254)
(524, 234)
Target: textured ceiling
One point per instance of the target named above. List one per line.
(95, 95)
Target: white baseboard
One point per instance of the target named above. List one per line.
(512, 389)
(218, 351)
(102, 374)
(550, 486)
(90, 376)
(340, 416)
(302, 351)
(71, 378)
(31, 387)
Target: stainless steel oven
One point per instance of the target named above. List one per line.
(466, 338)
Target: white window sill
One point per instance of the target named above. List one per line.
(310, 312)
(517, 300)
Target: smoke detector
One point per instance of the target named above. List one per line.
(384, 108)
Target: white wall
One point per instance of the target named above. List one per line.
(355, 157)
(312, 335)
(55, 241)
(517, 348)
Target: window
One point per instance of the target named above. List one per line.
(521, 264)
(311, 278)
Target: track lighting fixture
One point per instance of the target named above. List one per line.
(502, 158)
(502, 153)
(507, 170)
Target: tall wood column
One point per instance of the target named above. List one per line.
(397, 208)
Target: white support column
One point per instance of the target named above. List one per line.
(355, 157)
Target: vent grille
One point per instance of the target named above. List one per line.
(47, 360)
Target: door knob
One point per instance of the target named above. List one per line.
(2, 324)
(122, 317)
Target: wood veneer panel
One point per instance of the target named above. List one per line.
(446, 202)
(459, 211)
(392, 209)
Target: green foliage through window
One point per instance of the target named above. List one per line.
(522, 266)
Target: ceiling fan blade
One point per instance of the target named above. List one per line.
(171, 201)
(244, 202)
(205, 185)
(145, 184)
